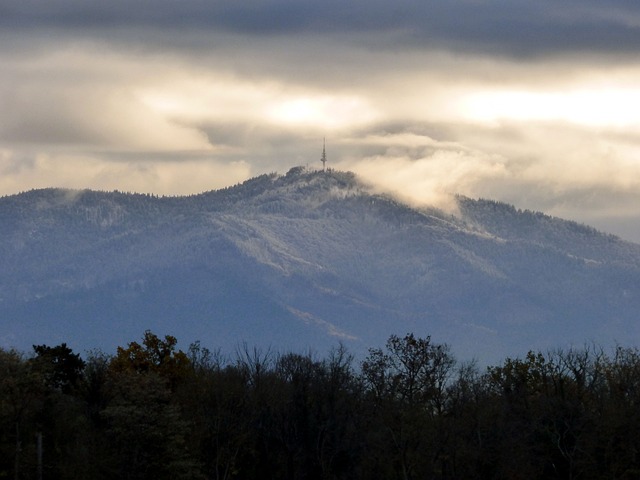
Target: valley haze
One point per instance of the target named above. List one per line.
(308, 260)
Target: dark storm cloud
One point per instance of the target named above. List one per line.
(510, 27)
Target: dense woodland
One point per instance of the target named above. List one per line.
(408, 411)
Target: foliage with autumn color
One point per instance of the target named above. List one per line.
(407, 411)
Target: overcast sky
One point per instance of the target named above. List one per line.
(535, 103)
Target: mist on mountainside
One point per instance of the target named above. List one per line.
(307, 260)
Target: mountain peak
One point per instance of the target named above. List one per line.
(302, 260)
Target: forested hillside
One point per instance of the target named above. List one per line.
(307, 260)
(409, 410)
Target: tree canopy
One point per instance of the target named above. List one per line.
(409, 410)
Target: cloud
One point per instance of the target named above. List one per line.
(532, 103)
(430, 179)
(588, 175)
(18, 173)
(55, 101)
(514, 28)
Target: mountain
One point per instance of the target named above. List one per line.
(307, 260)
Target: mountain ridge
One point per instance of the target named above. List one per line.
(304, 260)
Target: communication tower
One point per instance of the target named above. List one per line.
(324, 155)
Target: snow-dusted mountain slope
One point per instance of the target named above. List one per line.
(307, 260)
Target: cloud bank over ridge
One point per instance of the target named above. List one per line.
(533, 103)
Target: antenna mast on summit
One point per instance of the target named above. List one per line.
(324, 155)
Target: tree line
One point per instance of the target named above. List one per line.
(409, 410)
